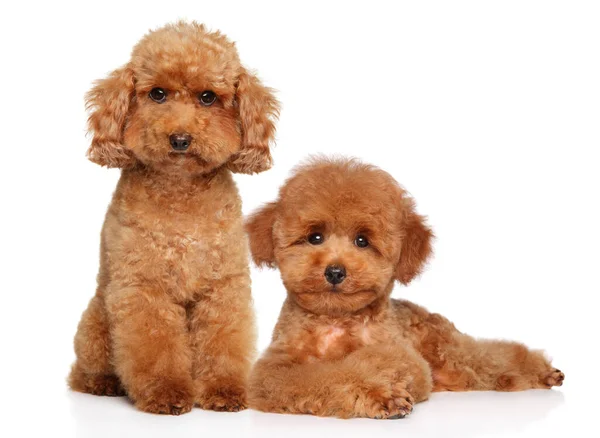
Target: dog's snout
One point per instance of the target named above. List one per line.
(335, 274)
(180, 142)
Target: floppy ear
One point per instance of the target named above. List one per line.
(258, 110)
(108, 103)
(259, 227)
(416, 247)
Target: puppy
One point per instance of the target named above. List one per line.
(172, 322)
(341, 233)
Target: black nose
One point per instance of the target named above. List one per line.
(335, 274)
(180, 142)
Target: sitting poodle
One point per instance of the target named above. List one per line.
(172, 322)
(341, 233)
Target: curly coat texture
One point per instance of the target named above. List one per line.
(347, 349)
(172, 324)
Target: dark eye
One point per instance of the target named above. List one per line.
(207, 98)
(158, 95)
(316, 239)
(361, 241)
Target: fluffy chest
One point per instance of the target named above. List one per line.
(334, 341)
(198, 236)
(180, 246)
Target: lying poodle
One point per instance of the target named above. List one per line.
(341, 233)
(172, 322)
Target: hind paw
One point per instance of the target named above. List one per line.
(554, 378)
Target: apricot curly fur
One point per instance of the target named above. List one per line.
(172, 324)
(348, 350)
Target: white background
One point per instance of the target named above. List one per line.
(487, 112)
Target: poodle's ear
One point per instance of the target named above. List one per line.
(108, 103)
(259, 227)
(258, 110)
(416, 246)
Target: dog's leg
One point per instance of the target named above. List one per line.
(462, 363)
(373, 382)
(222, 334)
(151, 350)
(93, 372)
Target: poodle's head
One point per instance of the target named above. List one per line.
(183, 104)
(340, 233)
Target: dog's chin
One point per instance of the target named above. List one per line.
(335, 300)
(180, 158)
(186, 163)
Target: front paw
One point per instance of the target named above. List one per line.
(167, 397)
(226, 398)
(387, 402)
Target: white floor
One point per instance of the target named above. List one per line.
(530, 413)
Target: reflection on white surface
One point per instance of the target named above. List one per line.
(448, 414)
